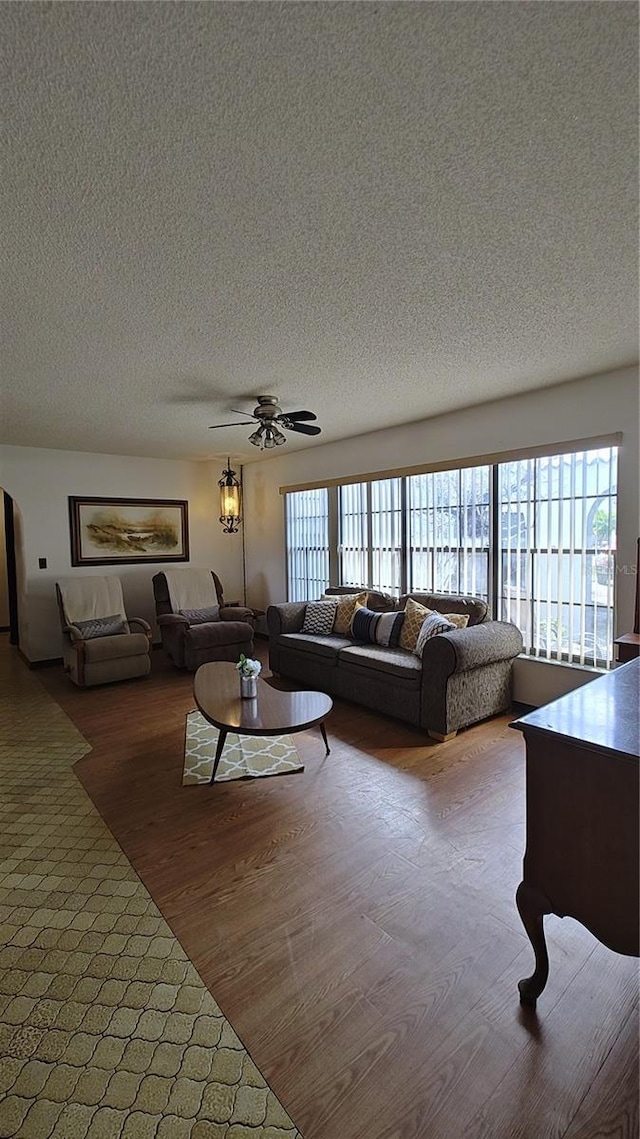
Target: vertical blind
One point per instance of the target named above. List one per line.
(353, 541)
(535, 537)
(307, 523)
(449, 522)
(557, 553)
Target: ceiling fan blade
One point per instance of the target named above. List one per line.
(296, 416)
(303, 428)
(247, 423)
(236, 412)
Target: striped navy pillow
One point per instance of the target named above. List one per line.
(376, 628)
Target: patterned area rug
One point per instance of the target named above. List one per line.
(106, 1029)
(244, 757)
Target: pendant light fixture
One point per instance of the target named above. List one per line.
(230, 500)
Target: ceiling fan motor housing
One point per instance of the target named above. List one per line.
(267, 407)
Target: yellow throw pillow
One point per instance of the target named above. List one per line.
(460, 620)
(414, 615)
(345, 608)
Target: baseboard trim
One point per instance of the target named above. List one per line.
(522, 709)
(33, 664)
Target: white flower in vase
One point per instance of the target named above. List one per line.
(248, 667)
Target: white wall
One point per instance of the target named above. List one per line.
(598, 405)
(40, 482)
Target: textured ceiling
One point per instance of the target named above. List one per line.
(378, 211)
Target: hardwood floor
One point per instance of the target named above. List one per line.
(357, 925)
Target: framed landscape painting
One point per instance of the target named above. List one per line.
(118, 531)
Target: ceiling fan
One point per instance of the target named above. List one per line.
(270, 418)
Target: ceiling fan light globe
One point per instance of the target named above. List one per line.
(256, 438)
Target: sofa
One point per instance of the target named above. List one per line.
(461, 676)
(101, 644)
(196, 625)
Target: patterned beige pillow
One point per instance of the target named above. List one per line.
(460, 620)
(414, 615)
(345, 608)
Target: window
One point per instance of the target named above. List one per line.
(370, 521)
(557, 549)
(535, 537)
(307, 520)
(353, 547)
(449, 526)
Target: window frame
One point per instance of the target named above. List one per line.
(496, 551)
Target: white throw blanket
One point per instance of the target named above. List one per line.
(85, 598)
(191, 589)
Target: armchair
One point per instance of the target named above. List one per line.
(100, 645)
(195, 624)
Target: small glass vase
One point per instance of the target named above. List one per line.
(248, 687)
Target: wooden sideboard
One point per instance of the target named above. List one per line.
(628, 646)
(582, 849)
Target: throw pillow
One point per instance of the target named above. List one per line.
(376, 628)
(389, 628)
(432, 625)
(460, 620)
(319, 617)
(363, 624)
(201, 616)
(345, 608)
(101, 627)
(414, 615)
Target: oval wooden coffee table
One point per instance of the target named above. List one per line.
(216, 688)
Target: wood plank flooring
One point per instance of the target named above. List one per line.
(356, 923)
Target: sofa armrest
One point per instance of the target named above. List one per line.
(234, 611)
(466, 676)
(285, 618)
(172, 620)
(466, 649)
(73, 632)
(144, 625)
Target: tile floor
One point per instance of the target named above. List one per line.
(106, 1030)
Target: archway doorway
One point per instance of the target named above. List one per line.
(8, 571)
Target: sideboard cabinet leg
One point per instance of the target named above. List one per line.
(532, 907)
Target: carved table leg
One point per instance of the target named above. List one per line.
(532, 906)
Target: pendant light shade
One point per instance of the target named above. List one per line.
(230, 500)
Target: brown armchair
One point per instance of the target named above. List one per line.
(196, 625)
(100, 645)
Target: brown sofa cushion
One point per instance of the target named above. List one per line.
(110, 648)
(316, 643)
(218, 633)
(395, 662)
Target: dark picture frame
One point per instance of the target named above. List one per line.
(127, 531)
